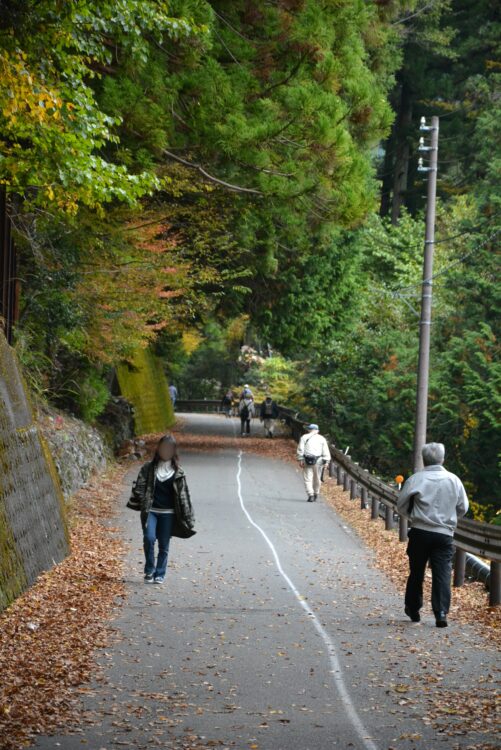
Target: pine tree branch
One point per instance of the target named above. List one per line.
(223, 19)
(284, 81)
(416, 13)
(228, 50)
(210, 177)
(265, 171)
(207, 175)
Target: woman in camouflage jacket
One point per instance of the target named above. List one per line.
(162, 493)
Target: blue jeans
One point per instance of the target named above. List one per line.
(158, 527)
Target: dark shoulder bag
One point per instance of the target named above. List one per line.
(309, 458)
(134, 501)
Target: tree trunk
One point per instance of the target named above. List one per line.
(402, 152)
(387, 175)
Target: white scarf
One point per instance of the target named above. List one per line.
(164, 470)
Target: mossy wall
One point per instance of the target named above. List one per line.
(33, 532)
(144, 384)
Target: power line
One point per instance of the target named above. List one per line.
(447, 268)
(466, 255)
(396, 292)
(437, 242)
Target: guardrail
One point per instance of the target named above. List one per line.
(198, 405)
(473, 537)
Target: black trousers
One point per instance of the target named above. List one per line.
(437, 548)
(245, 421)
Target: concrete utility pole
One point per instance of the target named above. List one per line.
(426, 296)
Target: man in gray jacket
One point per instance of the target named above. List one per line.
(432, 499)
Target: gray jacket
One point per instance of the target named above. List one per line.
(433, 499)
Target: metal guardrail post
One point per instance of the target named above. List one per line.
(353, 489)
(332, 468)
(402, 529)
(459, 567)
(346, 481)
(495, 584)
(363, 498)
(374, 508)
(388, 518)
(339, 474)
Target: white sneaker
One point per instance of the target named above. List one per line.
(158, 579)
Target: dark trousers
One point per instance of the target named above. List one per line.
(245, 421)
(437, 548)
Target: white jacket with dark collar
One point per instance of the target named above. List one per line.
(314, 444)
(433, 499)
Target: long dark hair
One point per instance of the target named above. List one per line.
(175, 457)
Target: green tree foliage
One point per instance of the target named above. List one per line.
(363, 383)
(451, 66)
(53, 131)
(276, 121)
(254, 125)
(194, 175)
(212, 365)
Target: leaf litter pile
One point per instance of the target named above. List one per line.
(48, 636)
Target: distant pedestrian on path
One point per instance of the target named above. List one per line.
(246, 411)
(166, 510)
(173, 393)
(227, 402)
(268, 413)
(432, 499)
(313, 454)
(246, 392)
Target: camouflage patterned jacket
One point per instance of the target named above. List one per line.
(144, 488)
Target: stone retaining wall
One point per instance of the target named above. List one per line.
(33, 532)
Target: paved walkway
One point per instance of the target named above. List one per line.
(273, 630)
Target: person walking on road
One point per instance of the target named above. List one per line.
(164, 500)
(173, 393)
(313, 454)
(234, 406)
(246, 392)
(433, 500)
(246, 411)
(227, 402)
(268, 413)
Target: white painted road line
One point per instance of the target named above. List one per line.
(336, 671)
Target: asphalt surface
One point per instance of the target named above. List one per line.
(273, 630)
